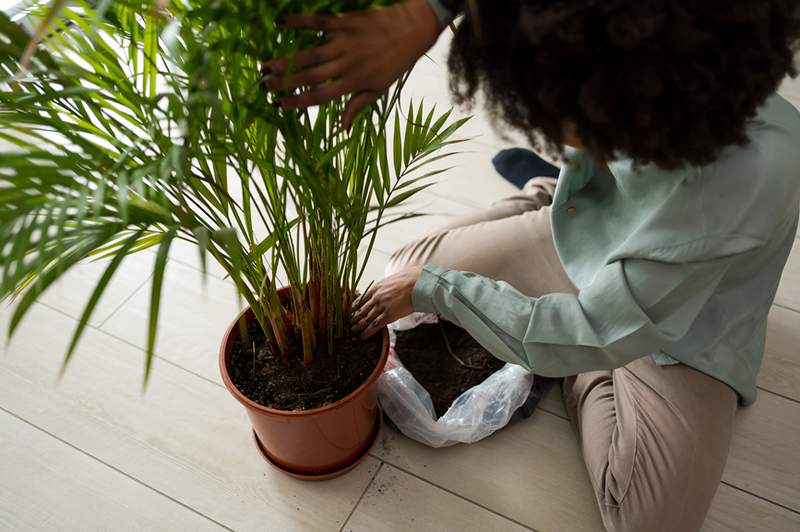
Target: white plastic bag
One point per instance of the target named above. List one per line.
(474, 415)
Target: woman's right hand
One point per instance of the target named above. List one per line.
(365, 53)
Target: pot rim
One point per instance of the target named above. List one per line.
(249, 403)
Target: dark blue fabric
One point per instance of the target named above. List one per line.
(518, 166)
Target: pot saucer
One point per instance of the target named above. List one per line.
(332, 474)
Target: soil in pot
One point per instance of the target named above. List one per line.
(445, 360)
(261, 375)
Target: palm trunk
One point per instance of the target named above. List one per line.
(279, 325)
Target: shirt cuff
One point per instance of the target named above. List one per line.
(443, 13)
(423, 293)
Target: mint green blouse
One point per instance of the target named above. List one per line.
(681, 265)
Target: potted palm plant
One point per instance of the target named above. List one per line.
(136, 124)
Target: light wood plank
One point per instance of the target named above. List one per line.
(789, 289)
(531, 471)
(780, 371)
(765, 456)
(398, 501)
(736, 511)
(186, 437)
(47, 485)
(72, 292)
(194, 316)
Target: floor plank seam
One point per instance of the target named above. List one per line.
(760, 497)
(777, 395)
(125, 301)
(792, 399)
(785, 307)
(363, 493)
(557, 414)
(131, 344)
(160, 358)
(114, 468)
(462, 497)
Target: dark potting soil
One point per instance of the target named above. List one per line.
(426, 352)
(263, 377)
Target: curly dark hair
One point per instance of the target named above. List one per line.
(668, 82)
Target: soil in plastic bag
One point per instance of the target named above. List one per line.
(445, 360)
(262, 376)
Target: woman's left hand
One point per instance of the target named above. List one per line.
(385, 302)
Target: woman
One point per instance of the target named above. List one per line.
(645, 273)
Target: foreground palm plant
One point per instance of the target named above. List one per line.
(135, 124)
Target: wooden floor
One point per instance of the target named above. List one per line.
(90, 452)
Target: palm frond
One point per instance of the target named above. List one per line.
(132, 125)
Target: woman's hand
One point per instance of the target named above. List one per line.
(385, 302)
(366, 52)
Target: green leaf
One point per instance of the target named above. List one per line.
(143, 243)
(123, 137)
(267, 243)
(150, 69)
(409, 136)
(409, 182)
(155, 299)
(203, 240)
(398, 146)
(403, 196)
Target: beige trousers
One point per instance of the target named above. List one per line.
(654, 438)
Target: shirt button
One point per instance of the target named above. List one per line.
(572, 211)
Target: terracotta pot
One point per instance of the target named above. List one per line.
(312, 444)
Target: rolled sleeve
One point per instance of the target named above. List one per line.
(631, 309)
(425, 287)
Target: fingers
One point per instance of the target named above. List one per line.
(361, 300)
(307, 78)
(362, 311)
(370, 319)
(303, 59)
(315, 95)
(367, 311)
(376, 326)
(357, 103)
